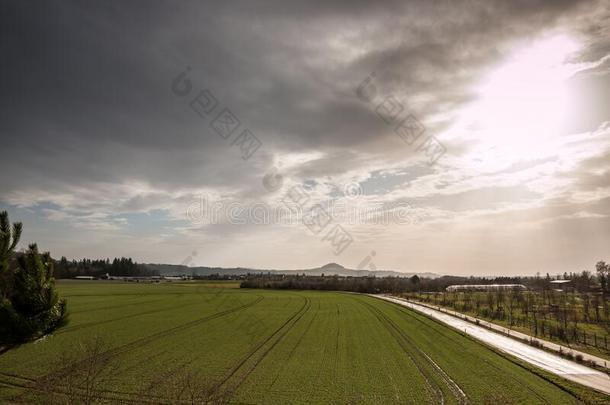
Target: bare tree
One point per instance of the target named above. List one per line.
(78, 376)
(181, 385)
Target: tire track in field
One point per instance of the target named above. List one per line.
(123, 294)
(28, 385)
(136, 364)
(127, 304)
(149, 312)
(305, 331)
(489, 363)
(434, 391)
(27, 382)
(455, 389)
(294, 348)
(337, 341)
(441, 329)
(327, 369)
(287, 327)
(9, 377)
(121, 318)
(114, 396)
(418, 356)
(326, 363)
(278, 334)
(161, 334)
(337, 360)
(280, 337)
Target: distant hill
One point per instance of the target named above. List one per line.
(332, 266)
(328, 270)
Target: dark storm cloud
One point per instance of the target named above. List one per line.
(85, 85)
(93, 138)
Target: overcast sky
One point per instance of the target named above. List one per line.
(502, 165)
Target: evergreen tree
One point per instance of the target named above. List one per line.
(8, 241)
(33, 307)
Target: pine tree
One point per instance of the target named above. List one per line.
(8, 241)
(33, 307)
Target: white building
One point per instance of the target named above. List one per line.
(485, 287)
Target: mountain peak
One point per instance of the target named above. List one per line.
(333, 266)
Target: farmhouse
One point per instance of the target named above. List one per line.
(485, 287)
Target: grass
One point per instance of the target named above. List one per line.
(194, 342)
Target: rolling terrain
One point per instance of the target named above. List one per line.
(328, 269)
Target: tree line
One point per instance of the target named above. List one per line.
(123, 266)
(585, 281)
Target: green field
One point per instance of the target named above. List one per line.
(145, 343)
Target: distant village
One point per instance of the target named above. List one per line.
(156, 278)
(137, 279)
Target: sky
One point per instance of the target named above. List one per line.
(456, 137)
